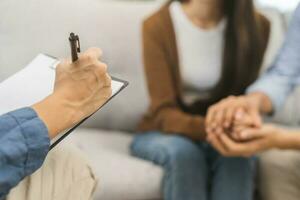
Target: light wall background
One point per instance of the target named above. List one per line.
(283, 5)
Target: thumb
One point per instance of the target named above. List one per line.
(250, 134)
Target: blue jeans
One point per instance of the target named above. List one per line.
(195, 171)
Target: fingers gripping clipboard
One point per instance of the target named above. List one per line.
(35, 82)
(115, 93)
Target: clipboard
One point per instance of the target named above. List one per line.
(61, 138)
(34, 83)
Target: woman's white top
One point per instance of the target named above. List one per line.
(200, 53)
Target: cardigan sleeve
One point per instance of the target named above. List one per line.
(168, 115)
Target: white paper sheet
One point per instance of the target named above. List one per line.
(33, 84)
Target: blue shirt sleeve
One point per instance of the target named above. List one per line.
(24, 144)
(281, 78)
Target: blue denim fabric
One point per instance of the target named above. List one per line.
(284, 75)
(195, 171)
(24, 144)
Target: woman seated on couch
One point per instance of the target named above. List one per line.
(197, 52)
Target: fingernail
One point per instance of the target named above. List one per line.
(239, 115)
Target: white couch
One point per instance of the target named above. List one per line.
(28, 27)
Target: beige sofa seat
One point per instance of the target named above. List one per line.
(120, 175)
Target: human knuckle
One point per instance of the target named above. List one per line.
(100, 69)
(108, 80)
(93, 77)
(228, 112)
(210, 109)
(233, 100)
(103, 66)
(89, 58)
(226, 100)
(219, 111)
(62, 64)
(222, 102)
(215, 107)
(107, 91)
(241, 99)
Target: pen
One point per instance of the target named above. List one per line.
(75, 46)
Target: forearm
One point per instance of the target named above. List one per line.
(57, 115)
(178, 122)
(288, 139)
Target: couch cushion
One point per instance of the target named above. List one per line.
(121, 176)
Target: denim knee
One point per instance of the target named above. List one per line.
(236, 165)
(164, 149)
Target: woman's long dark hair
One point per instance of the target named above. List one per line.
(245, 44)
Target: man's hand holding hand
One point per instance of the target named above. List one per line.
(258, 140)
(234, 125)
(221, 117)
